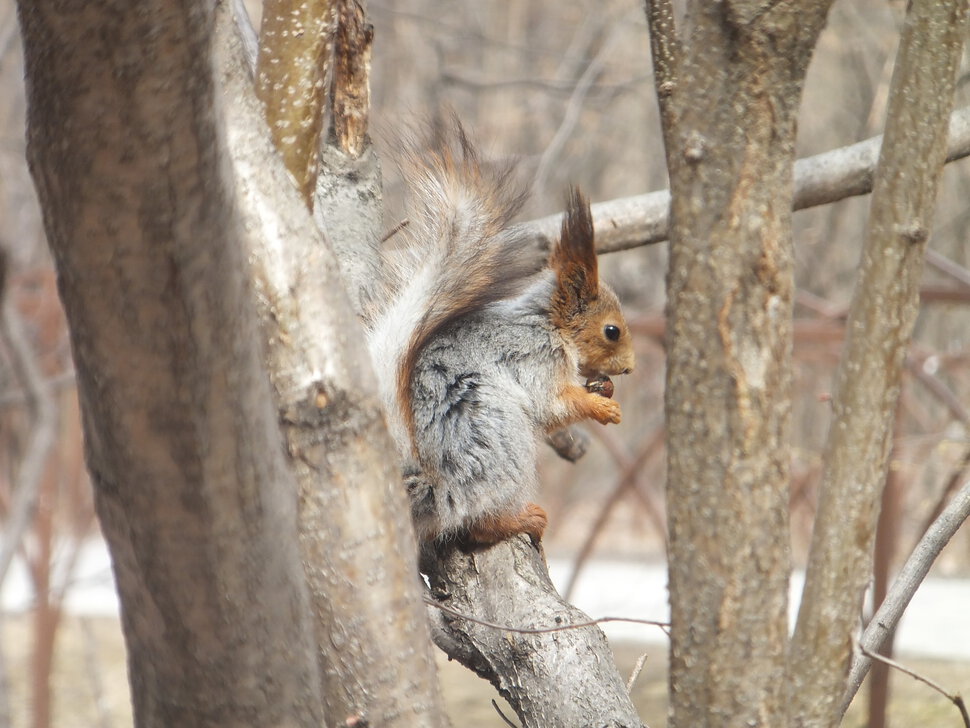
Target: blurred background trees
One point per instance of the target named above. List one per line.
(568, 90)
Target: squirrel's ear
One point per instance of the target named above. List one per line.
(574, 256)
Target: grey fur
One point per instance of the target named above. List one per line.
(481, 396)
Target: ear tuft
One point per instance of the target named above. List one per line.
(574, 256)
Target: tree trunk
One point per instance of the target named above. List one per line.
(884, 307)
(358, 546)
(192, 486)
(732, 102)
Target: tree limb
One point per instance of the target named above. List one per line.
(908, 580)
(884, 307)
(551, 679)
(292, 76)
(356, 539)
(630, 222)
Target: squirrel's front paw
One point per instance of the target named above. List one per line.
(606, 411)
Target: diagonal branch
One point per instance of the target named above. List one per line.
(910, 577)
(879, 326)
(551, 680)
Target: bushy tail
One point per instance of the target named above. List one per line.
(462, 255)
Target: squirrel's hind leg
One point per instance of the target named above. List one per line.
(491, 529)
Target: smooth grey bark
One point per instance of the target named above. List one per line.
(884, 306)
(358, 546)
(733, 96)
(192, 487)
(556, 679)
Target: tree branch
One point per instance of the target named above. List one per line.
(630, 222)
(350, 90)
(551, 679)
(665, 51)
(353, 509)
(908, 580)
(878, 329)
(956, 699)
(292, 73)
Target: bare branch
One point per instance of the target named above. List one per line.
(954, 698)
(665, 51)
(352, 508)
(551, 153)
(502, 715)
(630, 222)
(951, 268)
(880, 322)
(912, 574)
(637, 669)
(553, 680)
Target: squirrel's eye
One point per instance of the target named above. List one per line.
(612, 332)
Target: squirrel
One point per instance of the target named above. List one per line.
(478, 356)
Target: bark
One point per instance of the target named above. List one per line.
(293, 69)
(350, 90)
(881, 317)
(557, 679)
(191, 483)
(355, 531)
(729, 355)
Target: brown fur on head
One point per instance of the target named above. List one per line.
(584, 309)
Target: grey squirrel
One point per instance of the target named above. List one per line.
(478, 356)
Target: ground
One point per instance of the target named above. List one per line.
(90, 671)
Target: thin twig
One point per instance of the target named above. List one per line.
(395, 230)
(952, 483)
(954, 698)
(573, 108)
(665, 626)
(637, 669)
(956, 271)
(502, 715)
